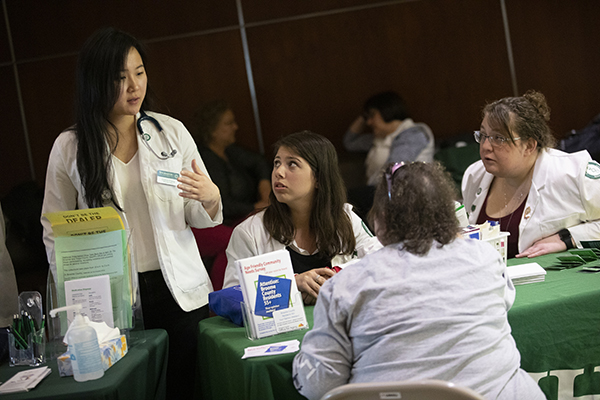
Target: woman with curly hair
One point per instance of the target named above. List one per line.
(429, 305)
(545, 198)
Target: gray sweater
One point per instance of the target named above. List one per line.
(396, 316)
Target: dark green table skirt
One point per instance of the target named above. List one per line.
(141, 374)
(556, 325)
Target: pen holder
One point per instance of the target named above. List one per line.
(30, 351)
(19, 350)
(38, 347)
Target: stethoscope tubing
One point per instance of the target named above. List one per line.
(146, 137)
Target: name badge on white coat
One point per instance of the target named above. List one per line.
(167, 178)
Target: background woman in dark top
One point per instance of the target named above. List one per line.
(241, 175)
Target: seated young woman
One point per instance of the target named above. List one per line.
(429, 305)
(307, 215)
(545, 198)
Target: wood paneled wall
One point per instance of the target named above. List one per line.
(314, 62)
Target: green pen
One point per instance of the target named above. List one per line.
(41, 330)
(19, 342)
(31, 325)
(17, 330)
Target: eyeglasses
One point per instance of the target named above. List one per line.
(495, 141)
(389, 174)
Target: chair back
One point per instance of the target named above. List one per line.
(406, 390)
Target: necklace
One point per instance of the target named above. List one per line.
(506, 203)
(521, 190)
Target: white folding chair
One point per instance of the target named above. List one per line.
(406, 390)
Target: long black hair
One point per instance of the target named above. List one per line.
(99, 67)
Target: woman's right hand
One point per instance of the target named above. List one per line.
(309, 283)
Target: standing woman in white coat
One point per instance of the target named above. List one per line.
(545, 198)
(105, 160)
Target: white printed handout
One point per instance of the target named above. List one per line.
(24, 381)
(290, 346)
(94, 296)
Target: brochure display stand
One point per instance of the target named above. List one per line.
(280, 324)
(94, 268)
(272, 303)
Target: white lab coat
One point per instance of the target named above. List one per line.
(251, 238)
(565, 193)
(171, 215)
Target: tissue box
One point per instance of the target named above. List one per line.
(111, 351)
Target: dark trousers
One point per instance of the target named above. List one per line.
(160, 310)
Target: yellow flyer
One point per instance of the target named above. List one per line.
(85, 222)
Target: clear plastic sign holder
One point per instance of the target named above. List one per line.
(134, 332)
(247, 312)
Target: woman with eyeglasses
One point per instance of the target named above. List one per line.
(307, 216)
(429, 305)
(545, 198)
(156, 181)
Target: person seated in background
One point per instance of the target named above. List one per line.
(307, 215)
(242, 177)
(386, 131)
(545, 198)
(429, 305)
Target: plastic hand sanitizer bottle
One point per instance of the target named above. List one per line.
(85, 352)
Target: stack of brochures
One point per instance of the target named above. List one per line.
(526, 273)
(24, 381)
(273, 303)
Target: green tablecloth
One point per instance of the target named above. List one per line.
(141, 374)
(556, 325)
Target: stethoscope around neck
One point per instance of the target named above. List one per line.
(146, 137)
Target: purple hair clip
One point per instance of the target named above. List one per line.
(389, 174)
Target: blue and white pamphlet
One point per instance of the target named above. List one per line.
(269, 288)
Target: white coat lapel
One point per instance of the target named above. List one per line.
(538, 182)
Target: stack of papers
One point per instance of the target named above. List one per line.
(290, 346)
(25, 380)
(526, 273)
